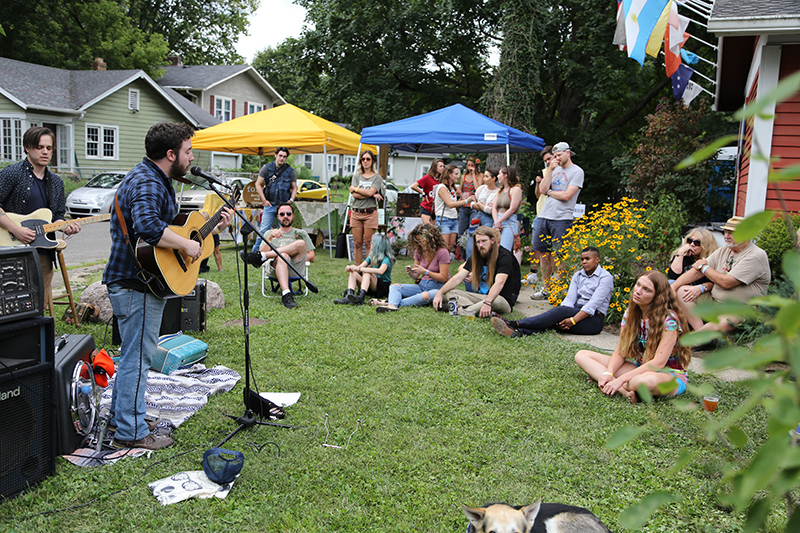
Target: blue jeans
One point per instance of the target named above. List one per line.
(510, 228)
(139, 317)
(268, 216)
(464, 217)
(411, 295)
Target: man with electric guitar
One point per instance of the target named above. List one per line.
(144, 208)
(29, 186)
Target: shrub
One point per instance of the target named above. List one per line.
(617, 231)
(667, 218)
(776, 240)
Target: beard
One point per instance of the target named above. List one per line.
(285, 222)
(177, 171)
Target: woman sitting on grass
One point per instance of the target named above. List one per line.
(648, 352)
(373, 275)
(430, 271)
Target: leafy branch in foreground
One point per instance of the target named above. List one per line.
(772, 474)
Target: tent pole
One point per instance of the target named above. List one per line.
(328, 196)
(508, 155)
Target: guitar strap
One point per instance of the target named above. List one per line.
(144, 276)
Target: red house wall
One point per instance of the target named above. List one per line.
(786, 136)
(744, 158)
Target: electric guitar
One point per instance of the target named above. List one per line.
(175, 271)
(39, 221)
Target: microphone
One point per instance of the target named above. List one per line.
(197, 171)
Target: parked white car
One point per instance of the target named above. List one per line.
(96, 197)
(193, 197)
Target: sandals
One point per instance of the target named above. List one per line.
(385, 309)
(375, 302)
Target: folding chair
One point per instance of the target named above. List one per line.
(296, 284)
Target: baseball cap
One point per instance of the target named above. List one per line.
(562, 147)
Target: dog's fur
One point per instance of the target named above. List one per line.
(537, 518)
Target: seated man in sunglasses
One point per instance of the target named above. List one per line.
(294, 244)
(738, 271)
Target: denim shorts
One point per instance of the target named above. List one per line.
(549, 233)
(447, 225)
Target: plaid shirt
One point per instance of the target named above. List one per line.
(15, 188)
(147, 200)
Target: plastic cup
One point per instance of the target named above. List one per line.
(710, 403)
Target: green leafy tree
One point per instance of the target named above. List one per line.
(673, 131)
(291, 70)
(368, 63)
(71, 34)
(200, 31)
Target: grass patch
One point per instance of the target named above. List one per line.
(451, 413)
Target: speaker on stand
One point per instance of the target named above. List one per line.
(75, 391)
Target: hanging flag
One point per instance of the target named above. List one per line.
(674, 38)
(680, 80)
(619, 34)
(659, 31)
(641, 17)
(690, 58)
(690, 93)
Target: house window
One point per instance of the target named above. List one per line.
(133, 99)
(222, 108)
(254, 108)
(308, 161)
(333, 163)
(101, 142)
(11, 139)
(349, 164)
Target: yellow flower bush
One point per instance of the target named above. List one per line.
(618, 231)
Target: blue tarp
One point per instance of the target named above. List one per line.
(455, 127)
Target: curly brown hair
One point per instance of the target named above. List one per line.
(430, 240)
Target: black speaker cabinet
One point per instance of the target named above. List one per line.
(74, 391)
(21, 294)
(26, 428)
(181, 313)
(26, 343)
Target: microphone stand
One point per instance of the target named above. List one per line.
(256, 406)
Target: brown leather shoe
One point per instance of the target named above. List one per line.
(501, 327)
(150, 442)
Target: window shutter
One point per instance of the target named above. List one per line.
(233, 109)
(245, 107)
(211, 105)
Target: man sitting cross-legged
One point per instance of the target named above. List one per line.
(293, 243)
(493, 273)
(583, 310)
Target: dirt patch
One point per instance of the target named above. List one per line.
(79, 278)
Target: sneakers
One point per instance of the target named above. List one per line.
(288, 301)
(530, 279)
(501, 326)
(252, 258)
(541, 295)
(150, 442)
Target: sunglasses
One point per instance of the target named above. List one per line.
(693, 241)
(366, 159)
(285, 214)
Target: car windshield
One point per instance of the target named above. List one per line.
(105, 181)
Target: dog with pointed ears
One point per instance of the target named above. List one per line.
(537, 518)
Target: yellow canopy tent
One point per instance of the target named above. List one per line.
(286, 125)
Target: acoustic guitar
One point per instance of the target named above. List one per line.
(39, 221)
(176, 271)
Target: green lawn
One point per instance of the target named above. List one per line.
(450, 413)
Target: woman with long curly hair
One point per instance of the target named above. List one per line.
(649, 352)
(430, 271)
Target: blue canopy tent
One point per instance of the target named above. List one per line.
(455, 127)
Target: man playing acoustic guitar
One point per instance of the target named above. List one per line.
(147, 202)
(29, 185)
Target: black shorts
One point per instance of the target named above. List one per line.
(423, 211)
(381, 289)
